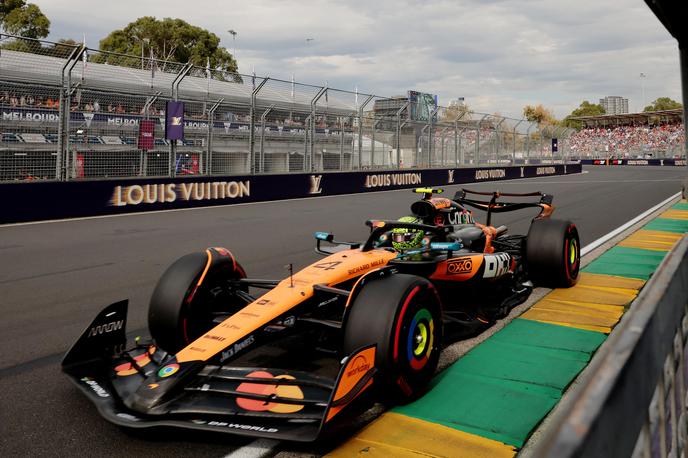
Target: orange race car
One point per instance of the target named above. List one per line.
(370, 317)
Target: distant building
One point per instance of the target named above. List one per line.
(613, 104)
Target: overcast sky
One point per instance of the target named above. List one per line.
(498, 54)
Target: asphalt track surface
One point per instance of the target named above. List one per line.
(55, 277)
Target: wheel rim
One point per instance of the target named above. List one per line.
(572, 257)
(420, 340)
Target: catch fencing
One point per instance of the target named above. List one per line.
(71, 112)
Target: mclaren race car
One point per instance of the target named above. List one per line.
(368, 319)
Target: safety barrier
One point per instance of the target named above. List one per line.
(632, 399)
(55, 200)
(641, 162)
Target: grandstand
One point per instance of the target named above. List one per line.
(81, 117)
(657, 134)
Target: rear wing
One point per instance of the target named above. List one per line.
(495, 206)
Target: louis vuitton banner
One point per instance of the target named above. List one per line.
(54, 200)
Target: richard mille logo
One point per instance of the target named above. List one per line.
(451, 176)
(315, 184)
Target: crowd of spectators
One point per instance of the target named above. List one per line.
(627, 141)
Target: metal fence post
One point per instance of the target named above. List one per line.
(477, 141)
(307, 125)
(431, 135)
(513, 153)
(63, 137)
(143, 163)
(252, 126)
(314, 101)
(360, 130)
(211, 128)
(64, 114)
(497, 139)
(261, 157)
(171, 166)
(398, 133)
(527, 158)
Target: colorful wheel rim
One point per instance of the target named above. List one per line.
(420, 340)
(572, 258)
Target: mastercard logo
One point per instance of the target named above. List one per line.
(287, 391)
(168, 370)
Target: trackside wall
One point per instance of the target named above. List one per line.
(35, 201)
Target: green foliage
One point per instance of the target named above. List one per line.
(585, 109)
(25, 19)
(170, 40)
(663, 103)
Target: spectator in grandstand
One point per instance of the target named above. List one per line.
(110, 108)
(96, 106)
(119, 109)
(14, 101)
(88, 107)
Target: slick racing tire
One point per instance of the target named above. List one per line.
(402, 315)
(553, 253)
(190, 295)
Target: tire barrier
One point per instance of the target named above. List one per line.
(35, 201)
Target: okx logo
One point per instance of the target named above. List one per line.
(316, 180)
(266, 389)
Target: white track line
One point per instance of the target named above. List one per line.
(256, 449)
(605, 238)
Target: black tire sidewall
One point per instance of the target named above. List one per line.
(547, 253)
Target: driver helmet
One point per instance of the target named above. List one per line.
(407, 239)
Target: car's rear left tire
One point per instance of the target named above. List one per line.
(401, 314)
(553, 253)
(190, 295)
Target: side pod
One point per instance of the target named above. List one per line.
(105, 336)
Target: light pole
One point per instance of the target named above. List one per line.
(142, 40)
(233, 33)
(642, 89)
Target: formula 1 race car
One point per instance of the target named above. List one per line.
(367, 319)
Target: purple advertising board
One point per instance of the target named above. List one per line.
(174, 120)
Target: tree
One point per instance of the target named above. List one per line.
(585, 109)
(25, 19)
(539, 114)
(169, 40)
(663, 103)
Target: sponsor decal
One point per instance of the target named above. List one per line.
(637, 162)
(127, 416)
(153, 386)
(97, 389)
(545, 171)
(126, 369)
(315, 188)
(366, 266)
(384, 180)
(255, 405)
(170, 192)
(661, 162)
(523, 169)
(213, 337)
(239, 426)
(105, 328)
(36, 116)
(450, 178)
(168, 370)
(359, 365)
(237, 347)
(262, 302)
(459, 266)
(490, 174)
(88, 117)
(496, 265)
(327, 265)
(680, 162)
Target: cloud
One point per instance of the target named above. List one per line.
(498, 54)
